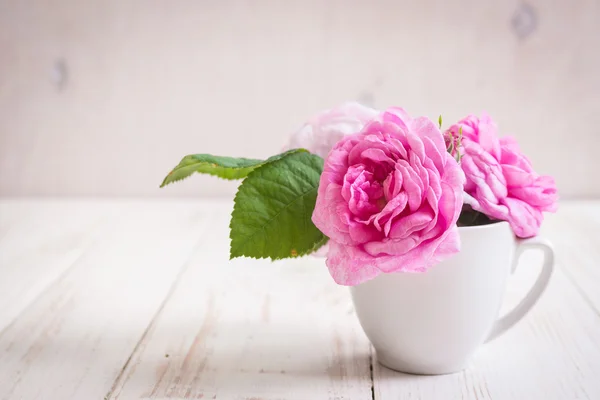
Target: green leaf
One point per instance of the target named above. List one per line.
(273, 207)
(319, 244)
(222, 167)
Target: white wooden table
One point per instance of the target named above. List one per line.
(124, 299)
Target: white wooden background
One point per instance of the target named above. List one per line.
(120, 299)
(103, 97)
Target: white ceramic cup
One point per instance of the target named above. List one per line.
(431, 323)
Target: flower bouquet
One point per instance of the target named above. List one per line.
(425, 225)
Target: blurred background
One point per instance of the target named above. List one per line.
(103, 97)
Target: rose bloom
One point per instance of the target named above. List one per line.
(325, 129)
(319, 134)
(500, 180)
(389, 198)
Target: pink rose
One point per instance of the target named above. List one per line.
(325, 129)
(501, 182)
(388, 199)
(319, 134)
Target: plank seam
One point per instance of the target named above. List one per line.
(580, 290)
(152, 323)
(371, 367)
(108, 226)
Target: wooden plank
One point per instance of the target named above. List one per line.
(575, 231)
(39, 241)
(8, 216)
(251, 329)
(554, 353)
(74, 340)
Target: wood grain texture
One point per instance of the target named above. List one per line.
(74, 340)
(39, 241)
(576, 234)
(140, 301)
(103, 97)
(251, 329)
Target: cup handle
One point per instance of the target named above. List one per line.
(515, 315)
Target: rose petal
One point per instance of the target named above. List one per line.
(348, 265)
(406, 226)
(413, 185)
(396, 194)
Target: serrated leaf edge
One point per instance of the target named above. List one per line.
(165, 183)
(269, 160)
(315, 246)
(231, 256)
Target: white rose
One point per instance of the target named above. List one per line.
(325, 129)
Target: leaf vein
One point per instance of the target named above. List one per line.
(263, 227)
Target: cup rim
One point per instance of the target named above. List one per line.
(483, 227)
